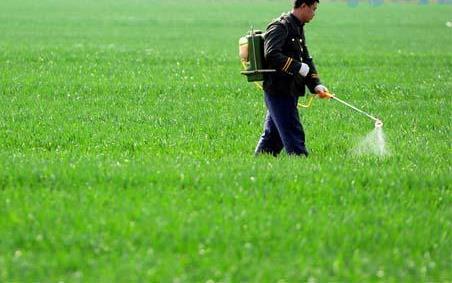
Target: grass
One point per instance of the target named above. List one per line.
(127, 133)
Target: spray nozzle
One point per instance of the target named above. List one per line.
(378, 123)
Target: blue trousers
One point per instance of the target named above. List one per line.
(282, 127)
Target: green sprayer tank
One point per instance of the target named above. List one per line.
(251, 51)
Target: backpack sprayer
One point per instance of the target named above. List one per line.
(251, 52)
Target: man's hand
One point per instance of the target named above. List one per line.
(322, 91)
(304, 70)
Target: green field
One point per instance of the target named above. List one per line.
(127, 138)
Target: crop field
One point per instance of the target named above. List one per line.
(127, 137)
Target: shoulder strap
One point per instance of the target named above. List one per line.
(282, 20)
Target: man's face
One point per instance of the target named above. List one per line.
(308, 12)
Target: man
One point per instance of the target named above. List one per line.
(285, 50)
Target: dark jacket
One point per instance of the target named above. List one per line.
(284, 50)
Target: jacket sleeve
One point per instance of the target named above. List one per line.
(275, 37)
(312, 79)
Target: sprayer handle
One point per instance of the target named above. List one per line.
(322, 91)
(324, 94)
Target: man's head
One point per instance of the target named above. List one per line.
(304, 10)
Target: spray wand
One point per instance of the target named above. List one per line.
(378, 122)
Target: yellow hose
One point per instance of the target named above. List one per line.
(308, 104)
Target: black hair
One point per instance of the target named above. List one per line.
(298, 3)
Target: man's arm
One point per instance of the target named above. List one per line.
(312, 79)
(275, 38)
